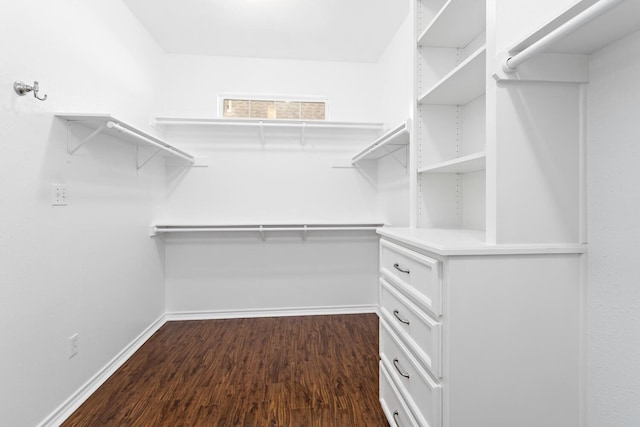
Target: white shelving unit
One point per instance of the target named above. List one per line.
(389, 143)
(450, 130)
(106, 123)
(498, 169)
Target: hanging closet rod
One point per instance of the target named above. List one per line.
(119, 128)
(513, 62)
(157, 229)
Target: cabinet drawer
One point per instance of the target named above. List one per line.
(421, 333)
(422, 394)
(396, 411)
(417, 275)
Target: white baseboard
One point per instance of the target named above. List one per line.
(63, 412)
(270, 312)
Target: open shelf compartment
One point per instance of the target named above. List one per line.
(471, 163)
(463, 84)
(455, 25)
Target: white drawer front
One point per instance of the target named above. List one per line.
(416, 274)
(422, 394)
(396, 411)
(421, 333)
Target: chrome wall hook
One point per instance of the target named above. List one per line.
(22, 89)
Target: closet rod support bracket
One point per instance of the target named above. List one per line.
(85, 140)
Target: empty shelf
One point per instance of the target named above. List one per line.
(311, 124)
(108, 124)
(457, 23)
(463, 84)
(471, 163)
(388, 143)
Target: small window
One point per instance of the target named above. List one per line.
(273, 109)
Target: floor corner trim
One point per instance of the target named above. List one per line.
(60, 414)
(271, 312)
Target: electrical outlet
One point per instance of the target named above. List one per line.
(73, 345)
(59, 195)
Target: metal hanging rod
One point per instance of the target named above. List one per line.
(512, 63)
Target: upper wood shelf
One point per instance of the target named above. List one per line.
(455, 25)
(463, 84)
(391, 141)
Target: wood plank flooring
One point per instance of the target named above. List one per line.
(286, 371)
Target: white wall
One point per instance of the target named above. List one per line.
(222, 275)
(87, 268)
(613, 380)
(282, 181)
(396, 87)
(191, 84)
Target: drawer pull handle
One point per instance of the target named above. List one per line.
(395, 363)
(397, 267)
(396, 415)
(397, 314)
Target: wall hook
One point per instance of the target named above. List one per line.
(22, 89)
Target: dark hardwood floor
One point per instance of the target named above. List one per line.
(286, 371)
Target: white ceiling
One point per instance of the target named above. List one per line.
(331, 30)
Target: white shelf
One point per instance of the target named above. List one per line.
(308, 124)
(471, 163)
(614, 24)
(463, 84)
(455, 25)
(388, 143)
(106, 123)
(456, 241)
(261, 228)
(304, 128)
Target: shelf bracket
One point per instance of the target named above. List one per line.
(262, 133)
(87, 139)
(399, 161)
(304, 233)
(304, 126)
(262, 233)
(140, 165)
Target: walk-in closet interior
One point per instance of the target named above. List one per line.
(465, 169)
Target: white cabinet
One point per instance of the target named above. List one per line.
(504, 350)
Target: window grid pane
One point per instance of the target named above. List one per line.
(272, 109)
